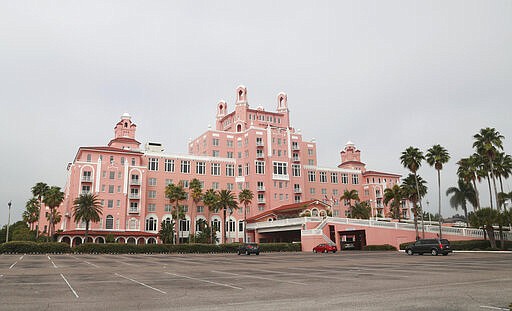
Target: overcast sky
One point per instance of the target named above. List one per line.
(383, 74)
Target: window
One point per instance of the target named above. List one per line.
(261, 186)
(324, 191)
(118, 189)
(169, 165)
(230, 186)
(312, 190)
(111, 159)
(151, 224)
(230, 170)
(133, 161)
(240, 226)
(185, 167)
(355, 179)
(215, 153)
(112, 175)
(230, 154)
(344, 178)
(311, 176)
(152, 181)
(334, 178)
(215, 168)
(296, 170)
(311, 162)
(200, 209)
(296, 199)
(122, 160)
(260, 167)
(231, 225)
(310, 152)
(88, 157)
(109, 222)
(168, 182)
(335, 192)
(215, 142)
(259, 141)
(153, 164)
(151, 207)
(240, 170)
(200, 168)
(215, 225)
(323, 177)
(280, 168)
(215, 185)
(134, 207)
(110, 188)
(167, 208)
(152, 194)
(229, 143)
(246, 169)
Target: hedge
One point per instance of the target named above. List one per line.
(116, 248)
(385, 247)
(27, 247)
(470, 245)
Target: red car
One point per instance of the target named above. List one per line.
(325, 248)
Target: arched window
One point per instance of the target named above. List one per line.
(314, 212)
(184, 225)
(216, 225)
(239, 128)
(133, 224)
(168, 221)
(151, 224)
(200, 224)
(231, 225)
(109, 222)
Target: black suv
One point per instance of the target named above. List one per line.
(249, 248)
(432, 246)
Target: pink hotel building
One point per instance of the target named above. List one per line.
(248, 149)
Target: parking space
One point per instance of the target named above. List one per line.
(286, 281)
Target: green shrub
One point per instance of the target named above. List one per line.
(26, 247)
(469, 245)
(385, 247)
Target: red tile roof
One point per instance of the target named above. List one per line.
(285, 208)
(380, 173)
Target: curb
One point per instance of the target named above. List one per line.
(491, 252)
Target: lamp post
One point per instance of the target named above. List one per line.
(8, 222)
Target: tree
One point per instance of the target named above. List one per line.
(196, 191)
(53, 198)
(413, 188)
(56, 216)
(31, 213)
(487, 143)
(38, 191)
(360, 210)
(467, 171)
(393, 196)
(166, 232)
(436, 157)
(175, 194)
(87, 207)
(461, 195)
(411, 159)
(350, 195)
(211, 200)
(486, 218)
(502, 169)
(244, 197)
(226, 201)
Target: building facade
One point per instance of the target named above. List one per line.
(250, 148)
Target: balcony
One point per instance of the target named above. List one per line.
(133, 211)
(134, 196)
(261, 200)
(135, 182)
(260, 144)
(86, 179)
(295, 147)
(260, 155)
(280, 177)
(297, 190)
(296, 159)
(85, 192)
(261, 188)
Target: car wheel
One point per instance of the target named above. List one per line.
(433, 252)
(314, 251)
(257, 254)
(333, 252)
(247, 253)
(409, 252)
(445, 254)
(325, 251)
(239, 253)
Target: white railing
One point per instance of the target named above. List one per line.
(277, 223)
(134, 196)
(86, 178)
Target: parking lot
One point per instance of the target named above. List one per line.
(271, 281)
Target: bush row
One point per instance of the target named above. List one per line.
(27, 247)
(470, 245)
(115, 248)
(385, 247)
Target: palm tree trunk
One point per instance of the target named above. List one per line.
(439, 193)
(416, 220)
(50, 231)
(466, 213)
(177, 224)
(477, 194)
(490, 233)
(224, 225)
(86, 231)
(495, 188)
(38, 216)
(421, 207)
(245, 223)
(490, 190)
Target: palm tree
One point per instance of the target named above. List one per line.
(486, 218)
(411, 186)
(411, 159)
(360, 210)
(350, 195)
(226, 200)
(461, 195)
(39, 191)
(31, 214)
(437, 156)
(57, 217)
(196, 191)
(487, 143)
(166, 232)
(467, 171)
(175, 194)
(53, 197)
(245, 197)
(87, 207)
(502, 168)
(395, 196)
(211, 200)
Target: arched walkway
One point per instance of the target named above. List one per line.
(76, 241)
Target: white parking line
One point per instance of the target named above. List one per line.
(12, 266)
(356, 269)
(69, 285)
(258, 277)
(494, 308)
(140, 283)
(54, 265)
(206, 281)
(89, 263)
